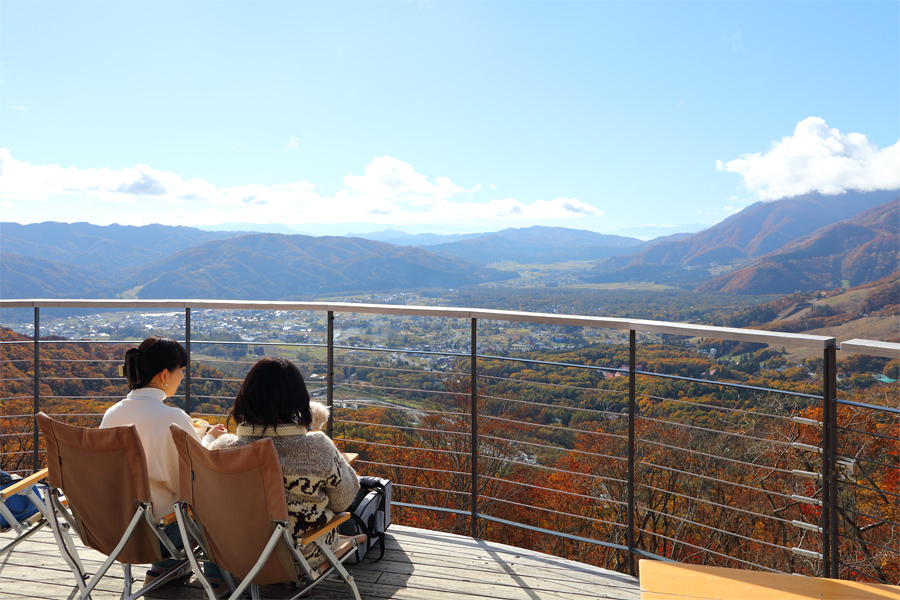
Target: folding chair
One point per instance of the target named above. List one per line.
(103, 474)
(16, 501)
(240, 518)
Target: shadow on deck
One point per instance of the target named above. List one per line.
(418, 565)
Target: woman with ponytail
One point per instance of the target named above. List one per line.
(154, 371)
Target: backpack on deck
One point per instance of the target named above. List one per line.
(370, 515)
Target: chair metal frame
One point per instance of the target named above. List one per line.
(29, 526)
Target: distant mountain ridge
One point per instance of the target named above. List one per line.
(288, 267)
(808, 242)
(768, 230)
(755, 231)
(859, 250)
(111, 248)
(30, 277)
(401, 238)
(538, 244)
(79, 260)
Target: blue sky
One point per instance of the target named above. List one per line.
(441, 116)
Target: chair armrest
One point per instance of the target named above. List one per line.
(23, 484)
(312, 534)
(170, 518)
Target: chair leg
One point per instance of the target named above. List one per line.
(339, 567)
(128, 580)
(160, 581)
(66, 546)
(181, 519)
(22, 537)
(54, 507)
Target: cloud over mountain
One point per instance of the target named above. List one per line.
(818, 159)
(388, 191)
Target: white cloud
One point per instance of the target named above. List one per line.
(293, 144)
(388, 177)
(733, 40)
(21, 108)
(818, 159)
(389, 191)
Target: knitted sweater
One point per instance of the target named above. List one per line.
(318, 482)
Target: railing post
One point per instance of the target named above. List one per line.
(329, 378)
(473, 404)
(187, 370)
(632, 415)
(35, 456)
(829, 455)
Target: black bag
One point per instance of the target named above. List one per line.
(20, 506)
(370, 515)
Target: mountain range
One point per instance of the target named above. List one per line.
(801, 243)
(856, 251)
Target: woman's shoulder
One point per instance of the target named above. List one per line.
(320, 439)
(314, 443)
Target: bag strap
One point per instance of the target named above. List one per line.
(380, 534)
(363, 527)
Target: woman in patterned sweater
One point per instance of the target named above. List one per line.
(273, 402)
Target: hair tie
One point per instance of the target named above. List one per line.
(132, 363)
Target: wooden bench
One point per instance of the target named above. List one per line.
(675, 581)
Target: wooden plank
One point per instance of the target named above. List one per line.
(461, 571)
(418, 565)
(449, 545)
(674, 580)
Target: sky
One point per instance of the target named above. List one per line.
(638, 118)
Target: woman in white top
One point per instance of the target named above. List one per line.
(154, 371)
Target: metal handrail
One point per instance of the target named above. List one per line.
(828, 345)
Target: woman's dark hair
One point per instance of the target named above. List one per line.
(155, 354)
(273, 393)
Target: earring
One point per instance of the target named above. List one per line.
(165, 385)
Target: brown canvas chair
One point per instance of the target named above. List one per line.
(240, 517)
(103, 474)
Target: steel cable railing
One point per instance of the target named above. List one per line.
(542, 424)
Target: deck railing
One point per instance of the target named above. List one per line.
(580, 458)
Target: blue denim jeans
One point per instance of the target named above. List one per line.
(211, 570)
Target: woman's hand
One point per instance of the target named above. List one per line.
(217, 430)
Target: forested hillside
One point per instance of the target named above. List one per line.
(259, 266)
(108, 248)
(859, 250)
(868, 311)
(539, 244)
(798, 244)
(757, 230)
(269, 266)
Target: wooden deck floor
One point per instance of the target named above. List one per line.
(418, 565)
